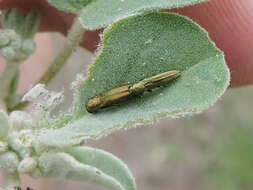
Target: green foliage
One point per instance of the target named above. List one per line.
(24, 25)
(8, 161)
(101, 13)
(12, 19)
(138, 44)
(10, 47)
(95, 14)
(73, 6)
(31, 24)
(73, 163)
(28, 47)
(8, 52)
(4, 126)
(4, 40)
(139, 47)
(16, 42)
(89, 165)
(105, 162)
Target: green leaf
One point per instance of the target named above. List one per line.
(4, 39)
(24, 25)
(101, 13)
(28, 47)
(73, 6)
(139, 47)
(64, 166)
(4, 126)
(13, 19)
(105, 162)
(31, 24)
(9, 161)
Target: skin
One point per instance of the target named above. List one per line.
(229, 23)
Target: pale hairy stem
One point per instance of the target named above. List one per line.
(73, 38)
(2, 106)
(5, 80)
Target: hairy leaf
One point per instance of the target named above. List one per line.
(73, 6)
(101, 13)
(139, 47)
(64, 166)
(12, 19)
(105, 162)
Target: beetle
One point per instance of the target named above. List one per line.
(123, 93)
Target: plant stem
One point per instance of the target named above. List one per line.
(12, 181)
(2, 106)
(9, 73)
(73, 38)
(19, 106)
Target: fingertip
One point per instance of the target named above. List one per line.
(230, 25)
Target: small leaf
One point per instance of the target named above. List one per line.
(64, 166)
(105, 162)
(73, 6)
(31, 24)
(139, 47)
(4, 125)
(101, 13)
(24, 25)
(27, 165)
(9, 161)
(4, 39)
(28, 47)
(8, 53)
(13, 19)
(20, 120)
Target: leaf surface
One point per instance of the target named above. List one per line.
(105, 162)
(134, 49)
(73, 6)
(64, 166)
(101, 13)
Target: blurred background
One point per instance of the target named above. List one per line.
(209, 151)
